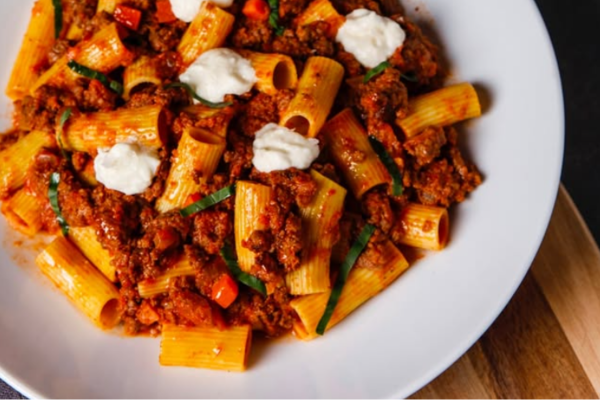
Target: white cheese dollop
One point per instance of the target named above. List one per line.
(219, 72)
(371, 38)
(128, 168)
(186, 10)
(277, 148)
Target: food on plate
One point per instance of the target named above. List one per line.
(210, 169)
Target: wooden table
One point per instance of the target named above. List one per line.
(546, 343)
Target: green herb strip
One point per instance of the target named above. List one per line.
(410, 77)
(376, 71)
(208, 201)
(390, 164)
(58, 18)
(99, 76)
(53, 196)
(355, 251)
(192, 93)
(243, 277)
(63, 120)
(274, 17)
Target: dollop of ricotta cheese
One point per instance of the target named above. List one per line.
(127, 168)
(186, 10)
(219, 72)
(371, 38)
(277, 148)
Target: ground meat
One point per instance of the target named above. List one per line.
(251, 34)
(39, 112)
(378, 210)
(384, 98)
(163, 37)
(347, 6)
(317, 38)
(239, 156)
(192, 308)
(387, 136)
(59, 49)
(261, 110)
(78, 12)
(259, 242)
(94, 96)
(157, 96)
(289, 43)
(373, 257)
(96, 23)
(289, 244)
(272, 314)
(209, 271)
(211, 228)
(291, 8)
(37, 183)
(426, 146)
(350, 63)
(75, 201)
(292, 181)
(162, 241)
(10, 138)
(418, 55)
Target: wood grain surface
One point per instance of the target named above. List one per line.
(546, 343)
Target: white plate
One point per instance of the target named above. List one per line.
(403, 338)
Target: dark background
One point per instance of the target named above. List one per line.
(575, 30)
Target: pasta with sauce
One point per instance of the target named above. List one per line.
(234, 168)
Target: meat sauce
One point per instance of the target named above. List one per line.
(144, 243)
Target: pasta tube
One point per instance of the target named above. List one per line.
(23, 213)
(142, 71)
(89, 132)
(83, 284)
(198, 155)
(104, 52)
(321, 10)
(363, 283)
(251, 201)
(206, 347)
(87, 242)
(36, 44)
(425, 227)
(443, 107)
(317, 90)
(108, 6)
(353, 155)
(319, 227)
(153, 287)
(207, 31)
(16, 160)
(274, 71)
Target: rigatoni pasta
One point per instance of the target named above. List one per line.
(353, 155)
(198, 155)
(207, 31)
(204, 203)
(317, 89)
(319, 219)
(81, 282)
(38, 40)
(423, 227)
(89, 132)
(204, 347)
(443, 107)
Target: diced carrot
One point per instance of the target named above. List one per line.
(164, 12)
(225, 291)
(192, 198)
(128, 16)
(256, 9)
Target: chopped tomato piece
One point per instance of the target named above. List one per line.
(164, 12)
(165, 238)
(192, 198)
(225, 291)
(128, 16)
(256, 9)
